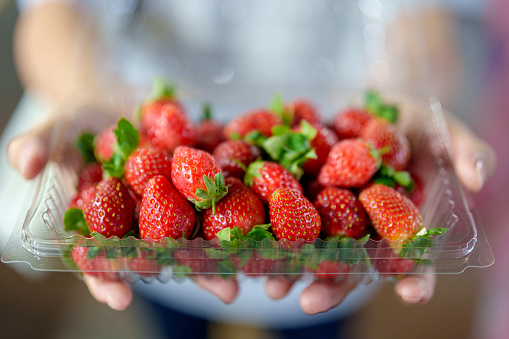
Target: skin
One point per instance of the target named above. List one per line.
(473, 159)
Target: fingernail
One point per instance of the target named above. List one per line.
(413, 294)
(480, 168)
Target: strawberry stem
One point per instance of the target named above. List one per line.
(216, 190)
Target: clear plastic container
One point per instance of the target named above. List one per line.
(40, 240)
(234, 55)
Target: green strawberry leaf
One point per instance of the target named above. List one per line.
(85, 145)
(74, 220)
(420, 244)
(403, 178)
(216, 190)
(375, 105)
(235, 136)
(291, 149)
(162, 90)
(260, 232)
(127, 141)
(254, 138)
(253, 171)
(206, 112)
(277, 106)
(389, 177)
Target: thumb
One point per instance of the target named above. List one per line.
(28, 153)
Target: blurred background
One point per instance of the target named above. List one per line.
(57, 305)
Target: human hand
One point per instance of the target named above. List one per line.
(473, 160)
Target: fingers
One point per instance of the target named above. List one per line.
(115, 294)
(225, 289)
(416, 289)
(323, 295)
(278, 287)
(28, 153)
(473, 159)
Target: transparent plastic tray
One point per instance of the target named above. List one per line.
(39, 238)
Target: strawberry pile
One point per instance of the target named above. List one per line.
(251, 195)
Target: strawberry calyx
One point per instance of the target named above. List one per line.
(161, 89)
(258, 233)
(216, 190)
(128, 138)
(290, 148)
(74, 220)
(253, 171)
(85, 144)
(277, 106)
(376, 154)
(375, 105)
(206, 112)
(389, 177)
(415, 248)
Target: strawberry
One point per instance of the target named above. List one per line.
(83, 197)
(145, 264)
(258, 266)
(303, 109)
(90, 176)
(104, 144)
(349, 124)
(264, 177)
(389, 263)
(331, 270)
(198, 177)
(293, 216)
(230, 153)
(350, 163)
(261, 120)
(111, 211)
(393, 216)
(322, 143)
(164, 121)
(145, 163)
(164, 212)
(93, 261)
(240, 207)
(209, 132)
(393, 144)
(415, 193)
(341, 213)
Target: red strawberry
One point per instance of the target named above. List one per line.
(323, 142)
(95, 264)
(104, 144)
(264, 177)
(341, 213)
(350, 123)
(230, 152)
(240, 207)
(293, 216)
(198, 177)
(209, 132)
(393, 144)
(90, 176)
(303, 109)
(111, 212)
(163, 119)
(145, 263)
(83, 197)
(351, 163)
(144, 164)
(312, 188)
(389, 263)
(196, 261)
(164, 212)
(328, 269)
(393, 216)
(166, 125)
(261, 120)
(258, 266)
(416, 194)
